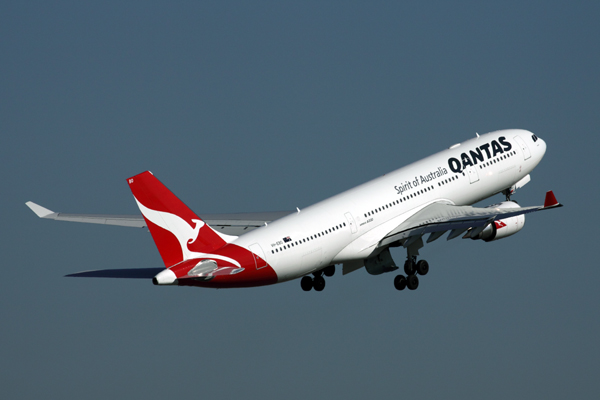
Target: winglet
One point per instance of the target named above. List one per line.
(40, 211)
(550, 201)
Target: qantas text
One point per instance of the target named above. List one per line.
(489, 149)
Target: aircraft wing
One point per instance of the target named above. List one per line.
(131, 273)
(438, 218)
(231, 224)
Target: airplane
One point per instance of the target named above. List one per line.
(355, 228)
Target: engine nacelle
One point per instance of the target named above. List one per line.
(380, 263)
(503, 227)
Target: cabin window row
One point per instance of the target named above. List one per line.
(448, 180)
(494, 161)
(396, 202)
(308, 238)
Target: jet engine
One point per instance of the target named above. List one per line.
(380, 263)
(501, 228)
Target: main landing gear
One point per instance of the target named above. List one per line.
(318, 282)
(411, 268)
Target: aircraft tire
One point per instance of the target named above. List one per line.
(400, 282)
(306, 283)
(412, 282)
(319, 283)
(329, 271)
(422, 267)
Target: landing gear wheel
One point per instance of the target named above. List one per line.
(400, 282)
(329, 271)
(422, 267)
(319, 283)
(306, 283)
(409, 267)
(412, 282)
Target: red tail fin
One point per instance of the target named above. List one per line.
(177, 231)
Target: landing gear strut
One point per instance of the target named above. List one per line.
(318, 282)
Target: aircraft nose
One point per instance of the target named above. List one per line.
(542, 147)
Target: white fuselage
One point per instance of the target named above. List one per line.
(350, 225)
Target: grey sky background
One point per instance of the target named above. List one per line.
(263, 106)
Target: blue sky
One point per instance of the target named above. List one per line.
(265, 106)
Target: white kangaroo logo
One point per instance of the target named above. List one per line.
(199, 224)
(184, 233)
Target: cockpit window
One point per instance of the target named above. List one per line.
(535, 138)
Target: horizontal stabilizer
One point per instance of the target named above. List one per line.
(131, 273)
